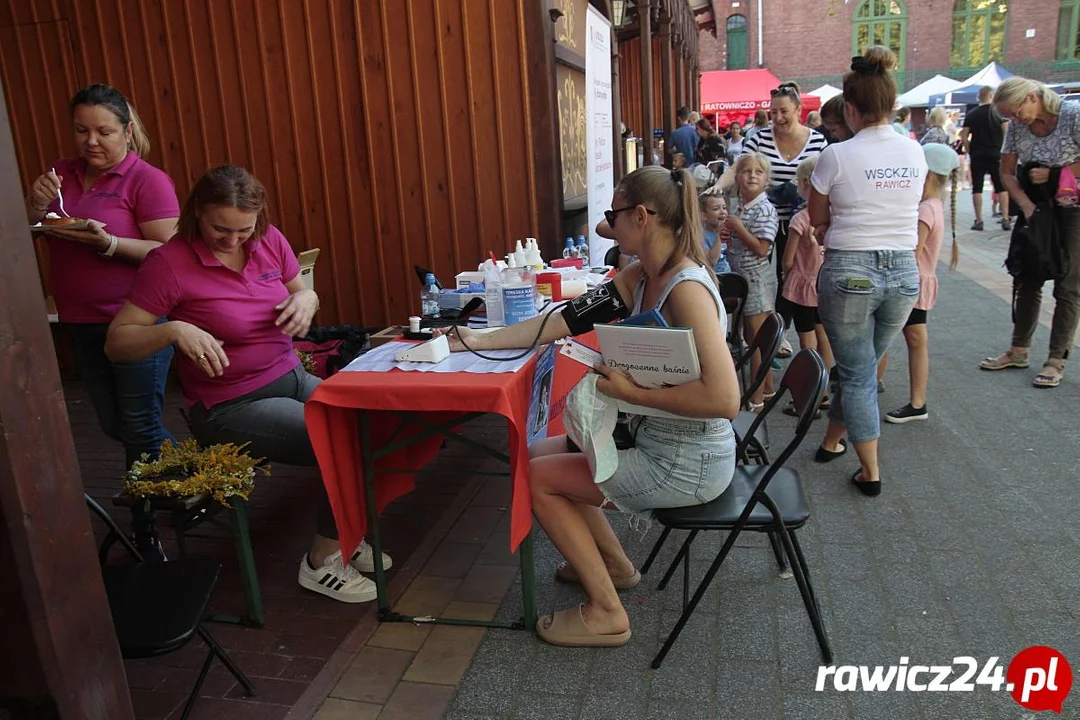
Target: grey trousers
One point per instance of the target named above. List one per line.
(1066, 297)
(271, 420)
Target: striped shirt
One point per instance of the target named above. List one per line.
(759, 218)
(783, 171)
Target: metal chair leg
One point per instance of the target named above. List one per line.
(698, 594)
(655, 550)
(801, 559)
(778, 552)
(216, 650)
(809, 600)
(678, 556)
(198, 685)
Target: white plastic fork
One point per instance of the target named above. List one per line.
(60, 195)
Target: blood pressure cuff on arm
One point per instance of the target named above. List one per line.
(601, 305)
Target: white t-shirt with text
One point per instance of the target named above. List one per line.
(874, 182)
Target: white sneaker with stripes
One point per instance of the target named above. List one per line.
(337, 580)
(363, 559)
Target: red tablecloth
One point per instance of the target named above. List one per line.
(333, 425)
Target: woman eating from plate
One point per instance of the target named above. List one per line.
(131, 208)
(230, 286)
(676, 462)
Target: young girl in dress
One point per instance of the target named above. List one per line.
(802, 259)
(753, 228)
(943, 164)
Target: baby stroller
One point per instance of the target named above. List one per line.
(705, 176)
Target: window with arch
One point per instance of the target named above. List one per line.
(978, 32)
(1068, 40)
(738, 49)
(880, 22)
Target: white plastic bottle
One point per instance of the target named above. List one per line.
(493, 296)
(568, 249)
(429, 298)
(519, 294)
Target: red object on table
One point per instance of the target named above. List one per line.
(567, 262)
(334, 429)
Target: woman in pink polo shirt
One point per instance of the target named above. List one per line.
(231, 289)
(91, 272)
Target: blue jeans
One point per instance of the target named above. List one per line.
(864, 299)
(127, 397)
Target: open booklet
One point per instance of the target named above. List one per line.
(654, 356)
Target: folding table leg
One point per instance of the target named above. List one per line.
(373, 514)
(246, 559)
(528, 583)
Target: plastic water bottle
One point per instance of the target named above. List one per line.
(583, 250)
(568, 251)
(429, 297)
(493, 294)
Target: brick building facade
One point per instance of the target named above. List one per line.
(812, 41)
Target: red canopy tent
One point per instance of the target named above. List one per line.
(728, 96)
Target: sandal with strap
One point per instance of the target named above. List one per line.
(567, 574)
(567, 628)
(1049, 379)
(1005, 360)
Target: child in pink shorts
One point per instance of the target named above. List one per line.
(802, 259)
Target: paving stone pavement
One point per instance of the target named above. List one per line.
(972, 549)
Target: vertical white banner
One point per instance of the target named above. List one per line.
(598, 128)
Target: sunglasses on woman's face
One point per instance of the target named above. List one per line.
(610, 215)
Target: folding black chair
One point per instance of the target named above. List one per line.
(733, 291)
(761, 498)
(767, 341)
(611, 257)
(158, 607)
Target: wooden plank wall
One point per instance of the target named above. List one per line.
(630, 87)
(387, 132)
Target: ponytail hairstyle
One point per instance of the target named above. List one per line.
(869, 88)
(954, 179)
(673, 195)
(227, 186)
(108, 97)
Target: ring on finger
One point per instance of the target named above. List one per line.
(202, 356)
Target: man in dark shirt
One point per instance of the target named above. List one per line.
(684, 139)
(982, 135)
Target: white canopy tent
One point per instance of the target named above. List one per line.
(825, 92)
(919, 96)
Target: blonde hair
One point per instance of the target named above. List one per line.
(694, 117)
(937, 117)
(954, 182)
(753, 157)
(805, 171)
(1013, 91)
(673, 195)
(813, 117)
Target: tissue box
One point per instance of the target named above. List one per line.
(464, 279)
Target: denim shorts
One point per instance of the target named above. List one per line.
(674, 463)
(761, 290)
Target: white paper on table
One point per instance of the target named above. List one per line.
(381, 359)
